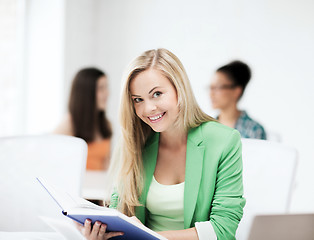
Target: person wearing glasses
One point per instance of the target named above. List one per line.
(226, 89)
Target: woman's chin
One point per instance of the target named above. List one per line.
(215, 107)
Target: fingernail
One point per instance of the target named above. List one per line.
(97, 223)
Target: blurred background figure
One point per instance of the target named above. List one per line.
(86, 116)
(226, 89)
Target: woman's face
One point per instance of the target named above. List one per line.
(102, 93)
(155, 100)
(223, 93)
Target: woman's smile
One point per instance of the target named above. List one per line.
(156, 118)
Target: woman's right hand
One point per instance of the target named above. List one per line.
(97, 231)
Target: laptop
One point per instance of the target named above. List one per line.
(284, 226)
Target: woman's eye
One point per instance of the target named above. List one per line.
(157, 94)
(137, 100)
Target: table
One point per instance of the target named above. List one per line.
(31, 236)
(94, 185)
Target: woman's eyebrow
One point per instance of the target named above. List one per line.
(153, 89)
(134, 95)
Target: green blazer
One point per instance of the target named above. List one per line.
(213, 178)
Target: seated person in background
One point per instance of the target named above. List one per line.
(86, 118)
(226, 89)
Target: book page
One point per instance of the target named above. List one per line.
(65, 200)
(66, 228)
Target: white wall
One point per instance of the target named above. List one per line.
(80, 38)
(274, 37)
(9, 79)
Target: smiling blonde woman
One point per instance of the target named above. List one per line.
(181, 171)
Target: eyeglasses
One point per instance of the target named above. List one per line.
(221, 87)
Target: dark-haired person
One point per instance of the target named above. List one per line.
(86, 116)
(226, 89)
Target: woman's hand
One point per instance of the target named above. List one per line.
(97, 231)
(136, 219)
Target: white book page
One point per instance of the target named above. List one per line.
(65, 200)
(102, 211)
(65, 227)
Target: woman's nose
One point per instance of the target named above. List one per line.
(150, 106)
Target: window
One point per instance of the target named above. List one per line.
(10, 94)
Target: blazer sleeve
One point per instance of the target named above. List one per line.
(228, 203)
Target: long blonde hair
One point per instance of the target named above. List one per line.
(135, 132)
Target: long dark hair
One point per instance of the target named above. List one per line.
(86, 118)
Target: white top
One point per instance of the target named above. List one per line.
(165, 206)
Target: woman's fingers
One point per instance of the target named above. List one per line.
(87, 227)
(98, 231)
(103, 235)
(95, 230)
(102, 230)
(136, 219)
(114, 234)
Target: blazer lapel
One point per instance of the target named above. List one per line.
(193, 173)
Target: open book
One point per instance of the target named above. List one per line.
(80, 209)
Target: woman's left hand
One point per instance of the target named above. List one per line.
(97, 231)
(136, 220)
